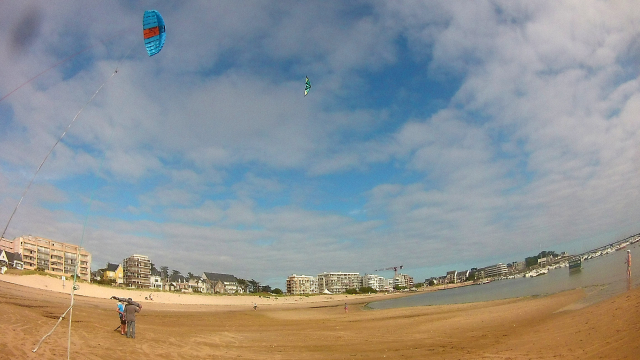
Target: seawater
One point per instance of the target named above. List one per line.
(601, 278)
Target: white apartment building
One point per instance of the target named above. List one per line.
(137, 271)
(54, 257)
(302, 284)
(374, 281)
(496, 270)
(338, 282)
(404, 280)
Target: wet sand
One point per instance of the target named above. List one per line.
(550, 327)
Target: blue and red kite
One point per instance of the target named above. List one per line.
(153, 31)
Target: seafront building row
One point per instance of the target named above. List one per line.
(55, 257)
(339, 282)
(136, 271)
(62, 259)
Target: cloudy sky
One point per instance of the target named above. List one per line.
(437, 135)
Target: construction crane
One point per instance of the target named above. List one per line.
(394, 268)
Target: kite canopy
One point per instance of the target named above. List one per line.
(153, 31)
(307, 87)
(127, 300)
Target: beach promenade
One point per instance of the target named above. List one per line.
(549, 327)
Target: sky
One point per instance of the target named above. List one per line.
(436, 135)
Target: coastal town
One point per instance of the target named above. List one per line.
(139, 272)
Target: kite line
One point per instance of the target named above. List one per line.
(154, 36)
(62, 62)
(51, 150)
(75, 272)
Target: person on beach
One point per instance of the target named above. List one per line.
(346, 309)
(123, 321)
(628, 262)
(130, 311)
(255, 306)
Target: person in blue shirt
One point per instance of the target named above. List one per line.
(123, 320)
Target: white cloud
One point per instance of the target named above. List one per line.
(536, 147)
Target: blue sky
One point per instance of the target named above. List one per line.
(437, 135)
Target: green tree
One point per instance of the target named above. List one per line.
(368, 290)
(351, 291)
(175, 272)
(254, 286)
(432, 283)
(165, 271)
(531, 261)
(276, 291)
(243, 284)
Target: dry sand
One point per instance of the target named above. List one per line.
(549, 327)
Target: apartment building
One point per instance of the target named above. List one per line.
(137, 271)
(9, 245)
(461, 276)
(404, 280)
(54, 257)
(496, 270)
(374, 281)
(338, 282)
(451, 276)
(302, 284)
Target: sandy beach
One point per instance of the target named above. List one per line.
(224, 327)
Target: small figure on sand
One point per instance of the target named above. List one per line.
(346, 309)
(255, 306)
(628, 262)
